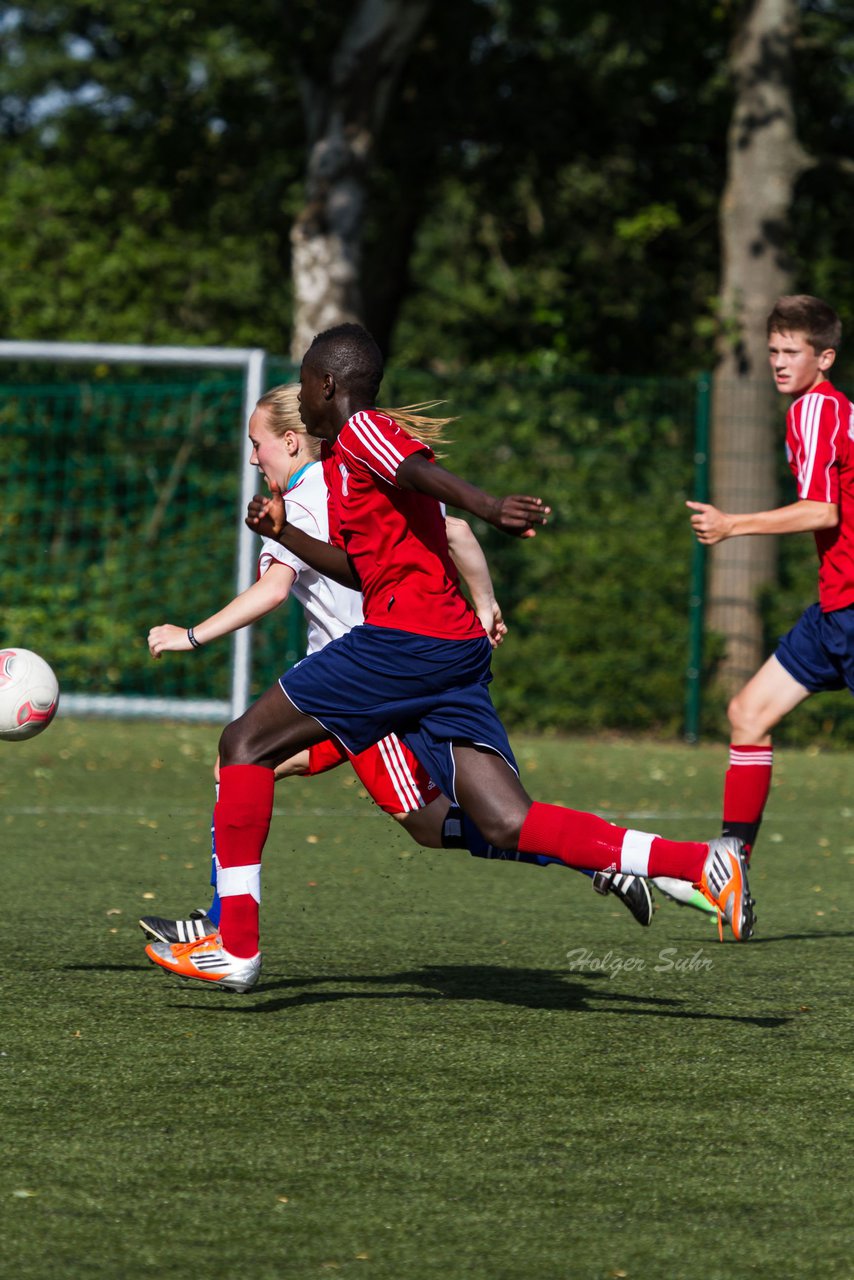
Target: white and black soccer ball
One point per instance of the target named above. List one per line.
(29, 694)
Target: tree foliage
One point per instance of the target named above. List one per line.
(575, 221)
(147, 152)
(542, 198)
(543, 191)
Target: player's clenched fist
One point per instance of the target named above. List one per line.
(709, 524)
(168, 639)
(267, 515)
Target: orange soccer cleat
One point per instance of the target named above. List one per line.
(724, 884)
(207, 960)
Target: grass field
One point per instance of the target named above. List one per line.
(450, 1068)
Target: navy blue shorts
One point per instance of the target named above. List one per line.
(818, 652)
(376, 681)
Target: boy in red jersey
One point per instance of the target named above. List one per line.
(418, 665)
(818, 653)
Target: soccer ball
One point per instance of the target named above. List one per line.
(29, 694)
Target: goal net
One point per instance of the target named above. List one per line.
(125, 482)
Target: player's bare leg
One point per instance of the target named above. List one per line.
(297, 766)
(489, 790)
(427, 827)
(443, 825)
(763, 702)
(753, 712)
(270, 731)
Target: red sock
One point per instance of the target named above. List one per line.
(592, 844)
(241, 823)
(746, 787)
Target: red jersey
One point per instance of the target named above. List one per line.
(395, 537)
(820, 450)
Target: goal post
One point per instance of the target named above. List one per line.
(251, 363)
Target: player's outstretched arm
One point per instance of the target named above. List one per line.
(468, 556)
(265, 595)
(805, 516)
(519, 514)
(267, 517)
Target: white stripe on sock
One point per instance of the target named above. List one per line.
(233, 881)
(741, 758)
(634, 855)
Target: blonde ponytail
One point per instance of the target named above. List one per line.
(423, 426)
(283, 415)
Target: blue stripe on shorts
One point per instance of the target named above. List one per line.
(377, 680)
(818, 652)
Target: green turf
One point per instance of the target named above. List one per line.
(450, 1068)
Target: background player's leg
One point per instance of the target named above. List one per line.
(770, 695)
(214, 910)
(318, 758)
(753, 713)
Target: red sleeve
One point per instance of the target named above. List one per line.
(815, 438)
(375, 441)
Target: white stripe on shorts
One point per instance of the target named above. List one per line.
(400, 774)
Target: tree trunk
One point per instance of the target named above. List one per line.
(764, 163)
(344, 115)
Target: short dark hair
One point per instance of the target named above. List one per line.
(800, 313)
(349, 353)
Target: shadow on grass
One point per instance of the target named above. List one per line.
(799, 937)
(552, 989)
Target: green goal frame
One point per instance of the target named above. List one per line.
(252, 362)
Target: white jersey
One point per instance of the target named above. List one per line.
(330, 609)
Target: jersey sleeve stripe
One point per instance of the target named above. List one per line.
(374, 440)
(810, 441)
(828, 470)
(811, 409)
(380, 471)
(376, 443)
(810, 412)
